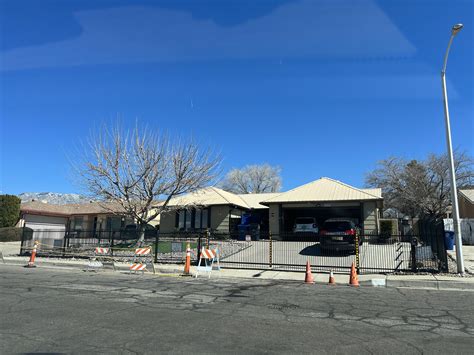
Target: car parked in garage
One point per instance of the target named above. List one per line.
(305, 225)
(339, 234)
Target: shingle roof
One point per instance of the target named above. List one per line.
(209, 196)
(326, 189)
(37, 207)
(468, 194)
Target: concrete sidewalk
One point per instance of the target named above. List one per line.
(429, 281)
(468, 256)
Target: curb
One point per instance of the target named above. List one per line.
(377, 281)
(82, 265)
(431, 284)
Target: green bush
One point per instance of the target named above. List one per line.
(9, 210)
(14, 234)
(387, 228)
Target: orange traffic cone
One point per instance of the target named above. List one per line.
(31, 263)
(353, 280)
(187, 265)
(332, 281)
(309, 279)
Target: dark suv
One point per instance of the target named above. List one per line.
(339, 234)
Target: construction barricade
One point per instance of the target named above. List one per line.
(102, 256)
(141, 258)
(211, 260)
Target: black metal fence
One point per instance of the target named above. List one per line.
(432, 239)
(369, 253)
(285, 252)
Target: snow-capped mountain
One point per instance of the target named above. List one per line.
(52, 197)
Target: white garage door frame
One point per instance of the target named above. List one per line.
(48, 230)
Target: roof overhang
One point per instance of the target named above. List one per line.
(320, 202)
(44, 213)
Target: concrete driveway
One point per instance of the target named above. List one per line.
(293, 255)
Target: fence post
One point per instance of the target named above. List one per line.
(198, 249)
(157, 238)
(357, 252)
(22, 240)
(414, 243)
(270, 251)
(64, 243)
(111, 238)
(442, 253)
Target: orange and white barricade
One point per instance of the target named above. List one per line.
(102, 251)
(137, 267)
(210, 257)
(96, 262)
(141, 257)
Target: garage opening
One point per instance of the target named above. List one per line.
(321, 214)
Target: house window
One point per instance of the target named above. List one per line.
(78, 223)
(201, 218)
(190, 219)
(205, 218)
(197, 219)
(182, 215)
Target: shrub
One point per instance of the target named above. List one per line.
(9, 210)
(14, 234)
(388, 227)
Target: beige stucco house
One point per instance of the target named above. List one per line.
(209, 208)
(221, 211)
(323, 199)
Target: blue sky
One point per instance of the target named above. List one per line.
(320, 88)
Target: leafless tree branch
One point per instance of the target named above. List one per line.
(253, 179)
(419, 188)
(137, 168)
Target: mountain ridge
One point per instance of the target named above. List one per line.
(54, 198)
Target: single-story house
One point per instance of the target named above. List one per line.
(212, 208)
(50, 222)
(322, 199)
(466, 203)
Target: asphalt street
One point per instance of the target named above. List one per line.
(71, 311)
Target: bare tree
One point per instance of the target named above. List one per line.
(253, 179)
(135, 168)
(419, 188)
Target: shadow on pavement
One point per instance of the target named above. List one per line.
(315, 250)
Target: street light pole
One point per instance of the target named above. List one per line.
(454, 192)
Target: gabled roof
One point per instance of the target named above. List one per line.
(254, 200)
(468, 194)
(209, 196)
(325, 189)
(375, 192)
